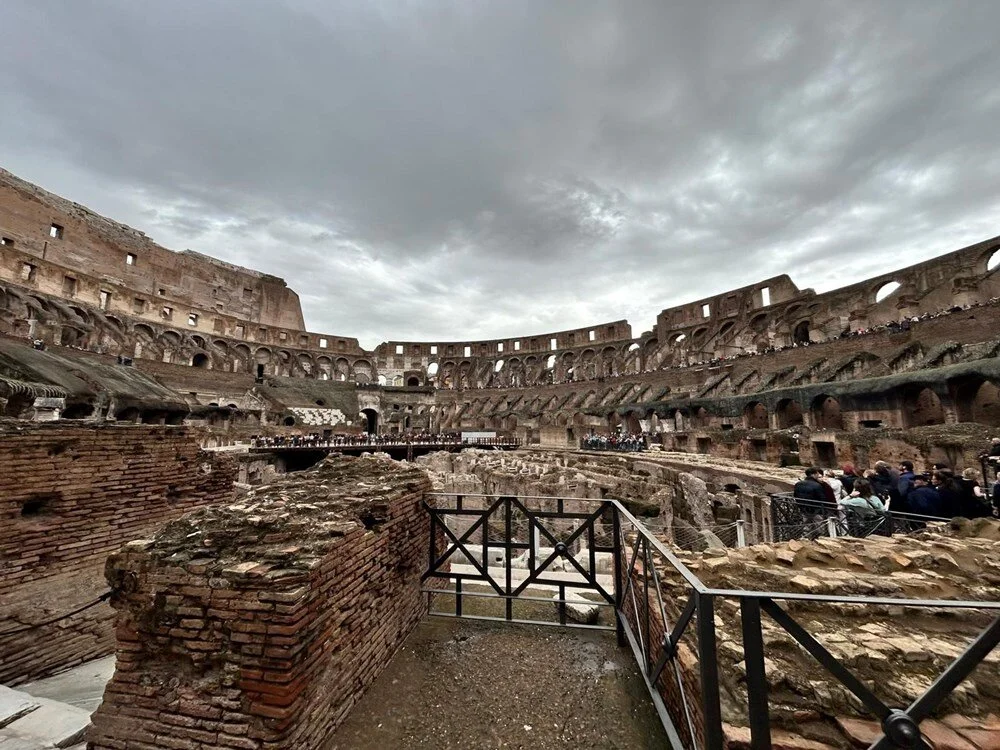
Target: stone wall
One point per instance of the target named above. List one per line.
(73, 493)
(260, 624)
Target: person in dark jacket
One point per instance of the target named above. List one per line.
(973, 503)
(810, 487)
(884, 480)
(924, 499)
(950, 492)
(848, 477)
(903, 485)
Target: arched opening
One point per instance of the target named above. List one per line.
(826, 413)
(986, 404)
(288, 421)
(801, 333)
(413, 381)
(550, 362)
(383, 380)
(922, 407)
(700, 417)
(755, 415)
(371, 421)
(432, 370)
(200, 360)
(498, 366)
(994, 261)
(677, 338)
(788, 413)
(886, 290)
(759, 323)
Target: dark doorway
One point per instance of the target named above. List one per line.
(801, 333)
(199, 360)
(260, 373)
(826, 454)
(371, 421)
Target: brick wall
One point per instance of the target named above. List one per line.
(73, 493)
(260, 624)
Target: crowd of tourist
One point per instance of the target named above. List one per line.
(940, 492)
(615, 442)
(891, 327)
(364, 439)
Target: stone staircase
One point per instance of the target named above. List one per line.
(29, 723)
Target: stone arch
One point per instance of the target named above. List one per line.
(758, 323)
(788, 413)
(241, 357)
(609, 362)
(413, 381)
(800, 334)
(307, 364)
(700, 417)
(324, 367)
(341, 369)
(826, 413)
(884, 290)
(362, 371)
(431, 372)
(200, 360)
(977, 400)
(649, 351)
(199, 341)
(921, 406)
(992, 259)
(755, 415)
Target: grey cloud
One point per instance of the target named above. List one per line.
(449, 170)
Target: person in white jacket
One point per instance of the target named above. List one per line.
(839, 493)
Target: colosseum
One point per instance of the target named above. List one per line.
(237, 510)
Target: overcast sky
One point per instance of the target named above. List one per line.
(450, 170)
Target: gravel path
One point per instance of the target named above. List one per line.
(470, 684)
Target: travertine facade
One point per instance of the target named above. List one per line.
(721, 375)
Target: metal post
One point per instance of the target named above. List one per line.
(616, 530)
(741, 533)
(753, 650)
(508, 532)
(831, 527)
(708, 664)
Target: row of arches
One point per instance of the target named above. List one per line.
(53, 320)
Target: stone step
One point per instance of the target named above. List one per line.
(50, 725)
(14, 704)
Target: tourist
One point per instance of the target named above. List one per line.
(903, 485)
(810, 488)
(924, 499)
(972, 500)
(835, 485)
(884, 480)
(848, 477)
(950, 492)
(863, 500)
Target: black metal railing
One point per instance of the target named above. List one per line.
(797, 518)
(662, 610)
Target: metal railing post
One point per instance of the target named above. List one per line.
(616, 530)
(831, 527)
(708, 664)
(753, 653)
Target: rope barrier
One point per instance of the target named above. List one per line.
(28, 628)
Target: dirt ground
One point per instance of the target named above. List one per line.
(472, 684)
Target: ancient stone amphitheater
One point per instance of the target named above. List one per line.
(256, 593)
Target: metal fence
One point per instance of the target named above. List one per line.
(796, 518)
(672, 636)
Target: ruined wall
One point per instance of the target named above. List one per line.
(897, 651)
(61, 237)
(693, 500)
(259, 624)
(72, 494)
